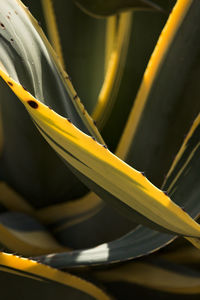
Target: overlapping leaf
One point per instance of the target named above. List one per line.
(143, 240)
(30, 279)
(102, 171)
(90, 159)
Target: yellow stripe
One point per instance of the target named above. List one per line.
(153, 277)
(114, 71)
(111, 27)
(34, 268)
(52, 28)
(180, 154)
(164, 42)
(183, 168)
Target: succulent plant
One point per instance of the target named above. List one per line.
(90, 204)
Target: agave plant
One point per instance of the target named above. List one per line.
(79, 218)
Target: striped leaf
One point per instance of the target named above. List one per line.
(183, 175)
(30, 280)
(121, 184)
(167, 101)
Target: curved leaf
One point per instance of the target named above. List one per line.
(103, 8)
(30, 279)
(142, 240)
(66, 220)
(23, 234)
(115, 67)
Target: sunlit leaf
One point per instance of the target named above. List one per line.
(30, 280)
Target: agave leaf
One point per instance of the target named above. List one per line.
(103, 8)
(66, 220)
(162, 112)
(136, 243)
(35, 280)
(142, 240)
(156, 274)
(46, 85)
(23, 234)
(89, 158)
(116, 57)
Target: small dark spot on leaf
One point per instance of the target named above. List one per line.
(33, 104)
(75, 97)
(11, 40)
(10, 83)
(2, 25)
(8, 17)
(105, 146)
